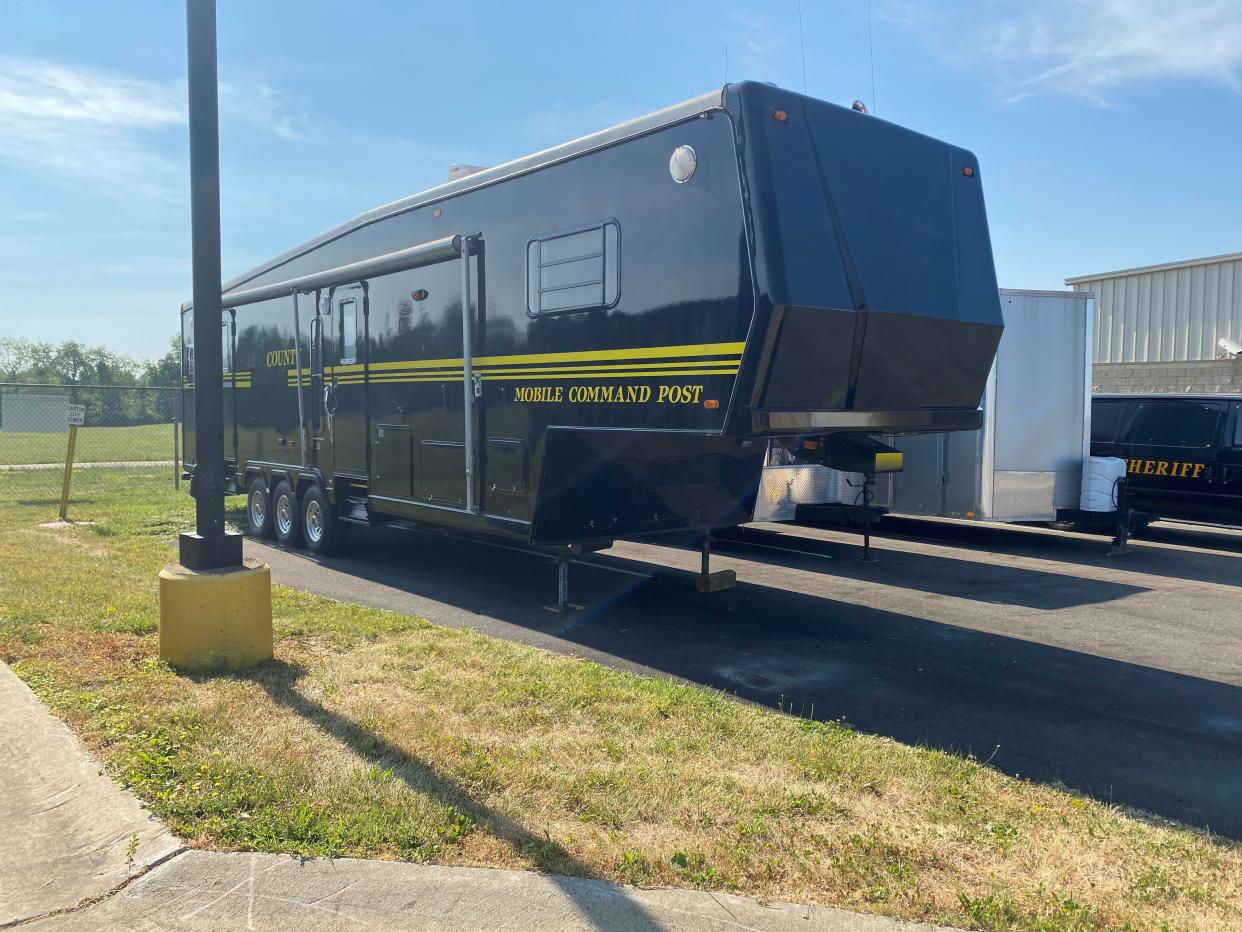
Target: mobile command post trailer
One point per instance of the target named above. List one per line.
(1024, 464)
(644, 308)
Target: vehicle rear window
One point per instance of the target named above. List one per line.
(1175, 423)
(1107, 420)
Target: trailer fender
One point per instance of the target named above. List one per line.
(250, 471)
(307, 479)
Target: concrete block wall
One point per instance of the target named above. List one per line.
(1212, 375)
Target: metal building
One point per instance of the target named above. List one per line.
(1160, 327)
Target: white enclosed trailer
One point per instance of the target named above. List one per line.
(1025, 462)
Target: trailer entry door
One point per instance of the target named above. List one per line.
(447, 466)
(338, 383)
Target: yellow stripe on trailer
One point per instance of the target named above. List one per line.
(647, 354)
(557, 375)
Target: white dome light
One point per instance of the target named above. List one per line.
(682, 163)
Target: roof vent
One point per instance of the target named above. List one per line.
(461, 171)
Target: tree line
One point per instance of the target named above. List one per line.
(73, 363)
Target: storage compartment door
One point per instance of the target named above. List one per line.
(394, 461)
(441, 473)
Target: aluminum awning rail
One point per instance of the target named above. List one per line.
(457, 246)
(412, 257)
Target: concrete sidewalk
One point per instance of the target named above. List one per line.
(202, 890)
(80, 853)
(69, 833)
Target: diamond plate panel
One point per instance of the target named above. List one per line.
(783, 488)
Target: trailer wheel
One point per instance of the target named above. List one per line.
(285, 515)
(259, 509)
(320, 526)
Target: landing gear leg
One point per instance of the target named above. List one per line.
(1121, 542)
(867, 495)
(563, 606)
(707, 581)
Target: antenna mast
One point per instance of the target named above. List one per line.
(802, 44)
(871, 51)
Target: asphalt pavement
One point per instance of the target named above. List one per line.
(1033, 649)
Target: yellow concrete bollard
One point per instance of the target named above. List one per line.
(216, 619)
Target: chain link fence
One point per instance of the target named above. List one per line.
(128, 430)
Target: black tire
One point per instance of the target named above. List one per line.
(286, 515)
(259, 509)
(320, 526)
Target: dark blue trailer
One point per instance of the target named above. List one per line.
(644, 308)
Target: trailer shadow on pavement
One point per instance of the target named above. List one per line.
(1198, 553)
(1155, 739)
(996, 584)
(1194, 535)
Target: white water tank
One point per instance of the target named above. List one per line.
(1100, 475)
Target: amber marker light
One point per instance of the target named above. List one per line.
(780, 116)
(711, 404)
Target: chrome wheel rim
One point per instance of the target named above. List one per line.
(258, 510)
(284, 515)
(314, 521)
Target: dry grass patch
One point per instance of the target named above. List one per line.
(377, 735)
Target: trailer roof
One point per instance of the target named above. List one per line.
(713, 100)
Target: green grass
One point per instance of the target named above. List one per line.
(144, 442)
(380, 735)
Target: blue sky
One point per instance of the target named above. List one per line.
(1109, 132)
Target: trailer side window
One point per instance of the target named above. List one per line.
(349, 330)
(576, 270)
(1176, 423)
(1237, 425)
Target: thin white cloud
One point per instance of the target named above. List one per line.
(1087, 49)
(91, 128)
(261, 106)
(116, 134)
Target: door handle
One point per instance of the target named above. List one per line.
(329, 404)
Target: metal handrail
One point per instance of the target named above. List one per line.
(467, 353)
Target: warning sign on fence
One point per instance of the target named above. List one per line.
(75, 415)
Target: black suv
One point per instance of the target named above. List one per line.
(1183, 452)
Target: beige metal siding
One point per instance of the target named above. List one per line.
(1167, 313)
